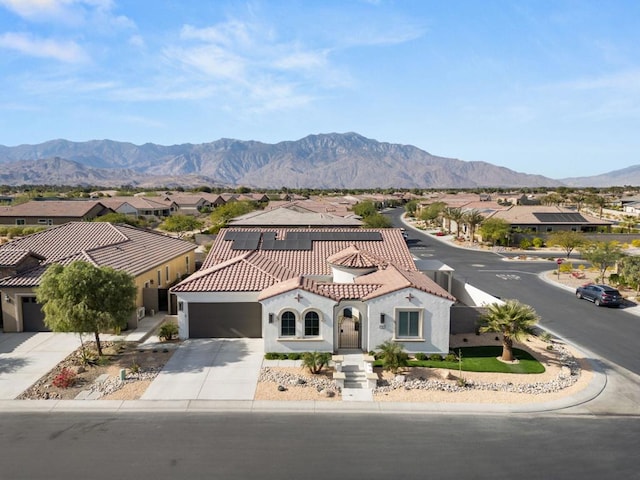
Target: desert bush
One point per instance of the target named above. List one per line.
(65, 379)
(168, 331)
(435, 357)
(420, 356)
(538, 242)
(450, 357)
(525, 244)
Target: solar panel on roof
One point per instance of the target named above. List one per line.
(566, 217)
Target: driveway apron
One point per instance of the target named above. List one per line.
(210, 369)
(26, 357)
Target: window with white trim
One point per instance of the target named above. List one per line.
(409, 324)
(288, 324)
(311, 324)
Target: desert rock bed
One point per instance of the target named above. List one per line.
(101, 380)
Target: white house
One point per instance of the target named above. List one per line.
(315, 289)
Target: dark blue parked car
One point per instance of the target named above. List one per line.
(600, 295)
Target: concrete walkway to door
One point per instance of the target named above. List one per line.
(210, 369)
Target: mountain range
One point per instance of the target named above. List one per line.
(325, 161)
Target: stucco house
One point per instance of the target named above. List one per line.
(44, 213)
(155, 261)
(322, 289)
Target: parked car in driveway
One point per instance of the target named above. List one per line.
(600, 294)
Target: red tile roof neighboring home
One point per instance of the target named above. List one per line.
(525, 214)
(275, 271)
(288, 216)
(140, 203)
(122, 247)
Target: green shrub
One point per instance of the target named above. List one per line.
(271, 356)
(435, 357)
(538, 242)
(420, 356)
(450, 357)
(393, 356)
(525, 244)
(315, 361)
(566, 267)
(168, 331)
(294, 356)
(545, 337)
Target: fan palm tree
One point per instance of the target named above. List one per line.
(512, 319)
(472, 218)
(628, 222)
(393, 356)
(454, 214)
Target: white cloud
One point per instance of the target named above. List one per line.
(70, 12)
(64, 51)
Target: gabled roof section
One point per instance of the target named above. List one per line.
(51, 208)
(10, 257)
(122, 247)
(335, 291)
(248, 272)
(393, 279)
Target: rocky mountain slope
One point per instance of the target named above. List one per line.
(317, 161)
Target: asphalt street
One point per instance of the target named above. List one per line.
(318, 446)
(608, 333)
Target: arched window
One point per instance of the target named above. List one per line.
(311, 324)
(288, 324)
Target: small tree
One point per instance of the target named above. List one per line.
(513, 320)
(82, 297)
(568, 240)
(376, 220)
(180, 224)
(495, 230)
(603, 255)
(393, 356)
(630, 270)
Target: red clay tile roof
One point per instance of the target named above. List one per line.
(122, 247)
(249, 272)
(314, 262)
(272, 272)
(353, 257)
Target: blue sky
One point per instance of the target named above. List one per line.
(539, 86)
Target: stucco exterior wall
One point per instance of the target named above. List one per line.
(177, 268)
(274, 306)
(435, 314)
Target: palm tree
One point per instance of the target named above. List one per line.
(315, 361)
(598, 202)
(454, 214)
(472, 218)
(393, 356)
(513, 320)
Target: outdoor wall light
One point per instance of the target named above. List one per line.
(7, 298)
(271, 318)
(382, 319)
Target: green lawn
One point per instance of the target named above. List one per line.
(483, 359)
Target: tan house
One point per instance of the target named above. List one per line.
(44, 213)
(156, 262)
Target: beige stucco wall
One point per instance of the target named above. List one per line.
(177, 268)
(12, 307)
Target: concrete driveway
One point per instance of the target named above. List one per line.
(26, 357)
(210, 369)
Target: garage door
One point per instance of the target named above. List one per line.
(225, 320)
(32, 316)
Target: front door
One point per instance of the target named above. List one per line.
(350, 330)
